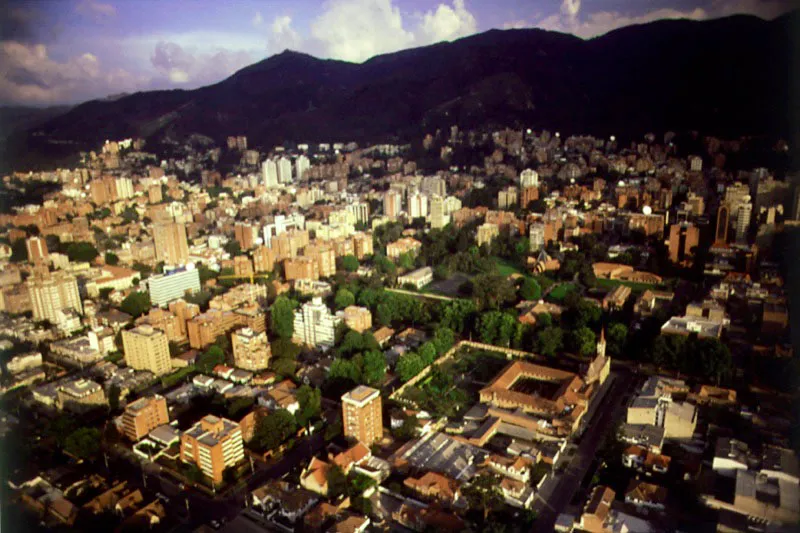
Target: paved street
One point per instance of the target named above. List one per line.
(559, 490)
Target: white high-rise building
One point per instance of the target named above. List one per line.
(124, 188)
(270, 172)
(417, 206)
(314, 324)
(439, 218)
(528, 178)
(301, 165)
(451, 205)
(434, 185)
(743, 220)
(54, 293)
(536, 237)
(284, 170)
(360, 210)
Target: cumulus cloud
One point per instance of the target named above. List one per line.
(258, 20)
(282, 35)
(183, 66)
(569, 19)
(447, 23)
(95, 9)
(29, 75)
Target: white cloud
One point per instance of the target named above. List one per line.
(447, 23)
(186, 66)
(29, 75)
(355, 30)
(97, 10)
(257, 20)
(569, 19)
(283, 35)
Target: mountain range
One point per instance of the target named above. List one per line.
(727, 76)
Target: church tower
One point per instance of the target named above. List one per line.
(601, 344)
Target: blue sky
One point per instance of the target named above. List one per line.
(67, 51)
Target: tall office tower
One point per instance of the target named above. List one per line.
(392, 203)
(171, 244)
(536, 237)
(683, 239)
(743, 221)
(37, 249)
(251, 350)
(439, 218)
(53, 293)
(434, 185)
(143, 416)
(361, 415)
(360, 210)
(284, 170)
(269, 171)
(146, 348)
(721, 234)
(301, 165)
(213, 444)
(314, 324)
(528, 178)
(417, 206)
(734, 197)
(173, 285)
(124, 187)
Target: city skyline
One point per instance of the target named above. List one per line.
(72, 51)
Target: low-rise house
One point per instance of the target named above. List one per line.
(290, 501)
(595, 517)
(351, 524)
(641, 458)
(437, 487)
(518, 468)
(646, 496)
(516, 493)
(730, 455)
(352, 457)
(281, 396)
(314, 477)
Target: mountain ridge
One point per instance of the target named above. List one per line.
(724, 76)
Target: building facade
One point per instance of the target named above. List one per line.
(251, 350)
(362, 415)
(213, 444)
(143, 416)
(147, 348)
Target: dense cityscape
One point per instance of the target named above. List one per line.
(500, 330)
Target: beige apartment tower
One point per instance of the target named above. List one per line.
(55, 292)
(171, 245)
(143, 416)
(251, 350)
(362, 415)
(147, 348)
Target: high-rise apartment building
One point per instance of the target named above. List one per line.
(170, 243)
(213, 444)
(362, 245)
(360, 210)
(143, 416)
(357, 318)
(434, 185)
(314, 324)
(165, 288)
(269, 172)
(392, 203)
(284, 170)
(325, 257)
(486, 233)
(362, 415)
(536, 237)
(124, 188)
(507, 198)
(251, 350)
(743, 221)
(245, 234)
(301, 165)
(55, 292)
(417, 206)
(439, 218)
(37, 249)
(300, 268)
(528, 178)
(683, 240)
(146, 348)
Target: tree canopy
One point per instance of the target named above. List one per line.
(136, 304)
(281, 317)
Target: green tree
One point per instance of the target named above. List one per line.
(337, 482)
(492, 291)
(239, 407)
(616, 337)
(136, 304)
(483, 494)
(283, 366)
(352, 342)
(583, 341)
(350, 263)
(345, 369)
(409, 365)
(83, 443)
(530, 289)
(113, 397)
(549, 341)
(212, 357)
(443, 339)
(428, 353)
(457, 315)
(282, 317)
(272, 430)
(344, 298)
(82, 252)
(111, 258)
(233, 248)
(405, 261)
(310, 400)
(408, 430)
(374, 369)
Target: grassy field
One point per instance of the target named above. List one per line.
(560, 291)
(506, 268)
(635, 287)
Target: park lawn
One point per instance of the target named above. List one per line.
(560, 291)
(507, 268)
(635, 287)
